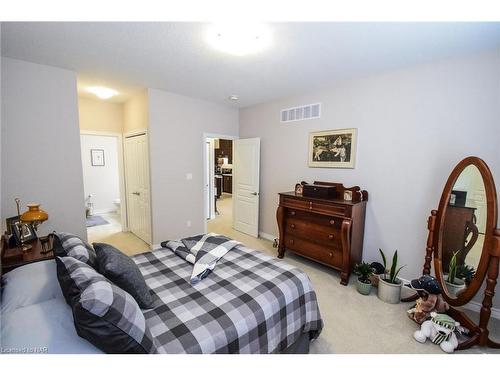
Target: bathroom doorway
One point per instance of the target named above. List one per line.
(103, 184)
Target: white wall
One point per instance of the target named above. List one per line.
(135, 113)
(101, 182)
(414, 126)
(40, 144)
(176, 145)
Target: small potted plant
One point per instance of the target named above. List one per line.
(466, 273)
(389, 287)
(363, 271)
(454, 284)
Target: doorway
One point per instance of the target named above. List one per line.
(231, 185)
(103, 183)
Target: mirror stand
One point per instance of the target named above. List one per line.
(440, 252)
(479, 334)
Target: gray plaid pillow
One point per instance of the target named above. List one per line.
(73, 246)
(106, 315)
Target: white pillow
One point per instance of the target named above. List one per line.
(29, 284)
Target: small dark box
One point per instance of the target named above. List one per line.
(319, 191)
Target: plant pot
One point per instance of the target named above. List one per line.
(390, 293)
(364, 288)
(457, 288)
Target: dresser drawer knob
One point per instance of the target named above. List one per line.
(330, 237)
(310, 205)
(331, 255)
(292, 226)
(292, 213)
(332, 222)
(291, 242)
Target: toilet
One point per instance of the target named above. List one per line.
(116, 202)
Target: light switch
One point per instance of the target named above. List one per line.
(189, 176)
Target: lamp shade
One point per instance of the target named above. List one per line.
(34, 214)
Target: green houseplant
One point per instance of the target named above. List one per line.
(363, 271)
(466, 273)
(454, 284)
(389, 288)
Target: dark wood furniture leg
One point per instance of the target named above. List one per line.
(281, 241)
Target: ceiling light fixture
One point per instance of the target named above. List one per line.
(102, 92)
(239, 39)
(233, 98)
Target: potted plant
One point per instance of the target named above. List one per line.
(454, 284)
(389, 287)
(363, 271)
(378, 269)
(466, 273)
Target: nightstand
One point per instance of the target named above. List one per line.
(13, 257)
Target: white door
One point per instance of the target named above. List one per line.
(137, 186)
(246, 168)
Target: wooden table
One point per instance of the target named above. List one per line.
(13, 257)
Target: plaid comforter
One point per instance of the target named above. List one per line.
(203, 251)
(250, 303)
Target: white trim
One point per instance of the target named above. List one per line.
(121, 172)
(135, 132)
(267, 236)
(204, 161)
(154, 247)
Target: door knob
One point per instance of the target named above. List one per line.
(255, 193)
(136, 193)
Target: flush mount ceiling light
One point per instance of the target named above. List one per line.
(239, 39)
(102, 92)
(233, 98)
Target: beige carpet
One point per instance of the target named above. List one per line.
(112, 233)
(353, 323)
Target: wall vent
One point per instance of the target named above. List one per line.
(305, 112)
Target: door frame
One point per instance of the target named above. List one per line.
(204, 161)
(129, 134)
(121, 171)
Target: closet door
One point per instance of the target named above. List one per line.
(137, 186)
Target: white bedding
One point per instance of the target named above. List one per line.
(34, 315)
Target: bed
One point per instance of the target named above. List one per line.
(250, 303)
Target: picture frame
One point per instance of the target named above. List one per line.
(97, 157)
(9, 222)
(347, 195)
(299, 189)
(333, 148)
(28, 231)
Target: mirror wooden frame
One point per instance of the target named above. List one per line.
(488, 267)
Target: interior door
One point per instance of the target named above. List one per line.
(137, 186)
(246, 170)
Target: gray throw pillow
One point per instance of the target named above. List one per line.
(121, 270)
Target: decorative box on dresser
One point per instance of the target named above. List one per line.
(327, 230)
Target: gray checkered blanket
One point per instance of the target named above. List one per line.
(251, 303)
(203, 251)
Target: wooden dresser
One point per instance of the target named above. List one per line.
(329, 231)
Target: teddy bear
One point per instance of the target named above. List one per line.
(430, 299)
(440, 330)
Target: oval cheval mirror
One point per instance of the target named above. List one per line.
(465, 245)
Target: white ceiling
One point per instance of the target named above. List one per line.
(303, 57)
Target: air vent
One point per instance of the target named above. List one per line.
(306, 112)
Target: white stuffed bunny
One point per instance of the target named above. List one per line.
(440, 330)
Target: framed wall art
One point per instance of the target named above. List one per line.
(332, 148)
(97, 157)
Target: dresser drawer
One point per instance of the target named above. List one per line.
(329, 222)
(324, 254)
(326, 234)
(315, 206)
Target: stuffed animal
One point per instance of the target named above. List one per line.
(440, 330)
(430, 299)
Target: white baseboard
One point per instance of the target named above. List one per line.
(105, 211)
(154, 247)
(267, 236)
(472, 305)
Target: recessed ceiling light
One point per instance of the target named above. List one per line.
(239, 39)
(233, 98)
(102, 92)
